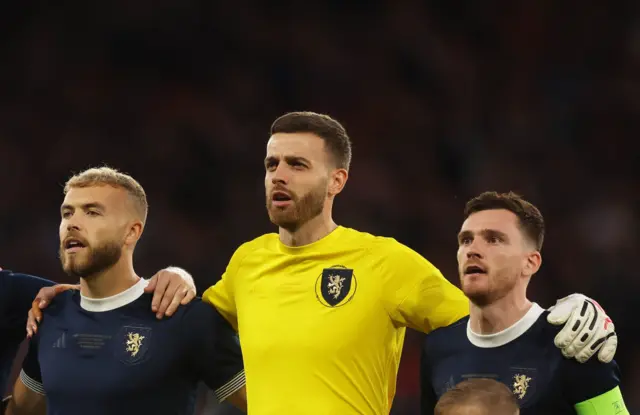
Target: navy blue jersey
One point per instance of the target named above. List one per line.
(17, 291)
(125, 361)
(523, 357)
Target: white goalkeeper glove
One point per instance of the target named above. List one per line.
(587, 329)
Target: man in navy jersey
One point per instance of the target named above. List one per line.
(506, 337)
(18, 290)
(102, 350)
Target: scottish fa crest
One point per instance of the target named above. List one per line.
(133, 344)
(523, 384)
(336, 286)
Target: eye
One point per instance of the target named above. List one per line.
(65, 215)
(465, 240)
(93, 213)
(494, 239)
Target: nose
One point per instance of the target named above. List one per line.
(280, 175)
(473, 251)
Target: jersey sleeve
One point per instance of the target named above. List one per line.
(428, 398)
(414, 291)
(17, 291)
(592, 385)
(30, 374)
(222, 295)
(215, 355)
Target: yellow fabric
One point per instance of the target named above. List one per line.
(304, 356)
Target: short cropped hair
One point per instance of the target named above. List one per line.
(331, 131)
(484, 396)
(529, 217)
(98, 176)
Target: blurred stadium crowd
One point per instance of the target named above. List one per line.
(442, 100)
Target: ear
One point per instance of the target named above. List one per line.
(133, 233)
(337, 181)
(533, 261)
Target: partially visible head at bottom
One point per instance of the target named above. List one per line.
(478, 396)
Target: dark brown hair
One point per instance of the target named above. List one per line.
(529, 217)
(485, 395)
(331, 131)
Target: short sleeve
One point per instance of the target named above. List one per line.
(215, 356)
(30, 374)
(414, 291)
(222, 295)
(584, 381)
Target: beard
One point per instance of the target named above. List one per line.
(91, 260)
(496, 287)
(301, 210)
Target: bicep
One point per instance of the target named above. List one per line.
(584, 381)
(417, 295)
(217, 358)
(221, 297)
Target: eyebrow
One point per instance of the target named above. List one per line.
(92, 205)
(484, 232)
(288, 159)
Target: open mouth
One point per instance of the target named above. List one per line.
(474, 270)
(281, 199)
(73, 245)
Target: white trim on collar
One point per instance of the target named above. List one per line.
(115, 301)
(507, 335)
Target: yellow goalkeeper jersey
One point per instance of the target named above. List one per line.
(322, 326)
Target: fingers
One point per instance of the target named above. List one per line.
(32, 326)
(177, 300)
(159, 292)
(151, 286)
(190, 294)
(572, 327)
(608, 350)
(589, 326)
(167, 299)
(560, 313)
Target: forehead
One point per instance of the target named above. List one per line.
(495, 219)
(306, 145)
(103, 194)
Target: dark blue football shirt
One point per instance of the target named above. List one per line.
(112, 356)
(523, 357)
(17, 291)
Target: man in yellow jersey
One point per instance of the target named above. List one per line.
(321, 310)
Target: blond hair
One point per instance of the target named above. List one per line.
(101, 176)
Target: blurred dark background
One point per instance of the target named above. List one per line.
(442, 99)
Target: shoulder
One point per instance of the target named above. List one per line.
(247, 248)
(446, 341)
(197, 312)
(61, 302)
(23, 282)
(381, 246)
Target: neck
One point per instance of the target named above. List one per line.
(499, 315)
(311, 231)
(109, 282)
